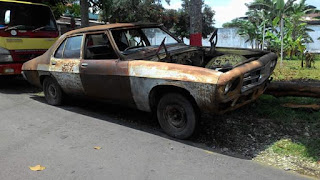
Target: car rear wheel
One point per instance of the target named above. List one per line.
(176, 115)
(52, 91)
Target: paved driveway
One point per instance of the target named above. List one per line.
(132, 145)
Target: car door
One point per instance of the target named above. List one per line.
(65, 64)
(103, 74)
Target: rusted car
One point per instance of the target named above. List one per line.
(144, 66)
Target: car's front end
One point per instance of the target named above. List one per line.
(244, 84)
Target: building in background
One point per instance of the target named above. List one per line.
(67, 23)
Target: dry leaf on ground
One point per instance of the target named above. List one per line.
(37, 168)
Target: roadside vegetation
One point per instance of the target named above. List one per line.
(284, 131)
(292, 70)
(270, 130)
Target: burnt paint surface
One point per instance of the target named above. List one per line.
(108, 80)
(131, 81)
(67, 74)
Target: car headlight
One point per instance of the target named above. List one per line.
(231, 85)
(5, 55)
(227, 87)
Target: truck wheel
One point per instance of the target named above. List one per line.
(52, 91)
(176, 115)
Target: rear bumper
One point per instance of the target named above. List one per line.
(10, 69)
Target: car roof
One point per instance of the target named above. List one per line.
(112, 26)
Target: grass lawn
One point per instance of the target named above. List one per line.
(292, 70)
(298, 148)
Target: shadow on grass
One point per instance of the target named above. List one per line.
(255, 127)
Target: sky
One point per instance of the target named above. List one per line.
(226, 10)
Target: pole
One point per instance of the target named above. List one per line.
(195, 22)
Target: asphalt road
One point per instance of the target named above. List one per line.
(132, 145)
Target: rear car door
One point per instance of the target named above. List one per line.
(65, 63)
(103, 74)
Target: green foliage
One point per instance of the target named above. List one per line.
(69, 7)
(264, 17)
(153, 11)
(309, 149)
(291, 70)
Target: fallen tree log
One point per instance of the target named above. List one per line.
(294, 88)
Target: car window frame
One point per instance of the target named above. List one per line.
(66, 40)
(110, 38)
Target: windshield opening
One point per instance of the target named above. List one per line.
(129, 39)
(26, 17)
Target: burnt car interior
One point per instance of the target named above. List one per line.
(98, 46)
(156, 44)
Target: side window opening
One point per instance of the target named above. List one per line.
(98, 46)
(59, 52)
(73, 47)
(70, 48)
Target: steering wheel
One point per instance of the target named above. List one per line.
(139, 44)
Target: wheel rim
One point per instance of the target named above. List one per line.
(52, 91)
(175, 116)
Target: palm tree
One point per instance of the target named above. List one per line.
(278, 10)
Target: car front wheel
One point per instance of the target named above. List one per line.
(52, 91)
(176, 115)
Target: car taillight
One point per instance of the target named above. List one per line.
(5, 55)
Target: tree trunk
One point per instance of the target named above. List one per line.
(84, 13)
(195, 22)
(281, 30)
(289, 88)
(263, 35)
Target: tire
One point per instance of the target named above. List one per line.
(52, 91)
(177, 116)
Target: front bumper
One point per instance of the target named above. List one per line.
(242, 99)
(248, 81)
(10, 69)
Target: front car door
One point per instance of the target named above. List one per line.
(104, 76)
(65, 63)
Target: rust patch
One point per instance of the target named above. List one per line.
(68, 67)
(170, 71)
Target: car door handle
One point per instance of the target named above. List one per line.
(84, 64)
(53, 62)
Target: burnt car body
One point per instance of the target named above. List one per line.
(145, 67)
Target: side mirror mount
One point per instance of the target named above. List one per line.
(213, 41)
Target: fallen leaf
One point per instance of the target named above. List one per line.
(209, 152)
(97, 147)
(37, 168)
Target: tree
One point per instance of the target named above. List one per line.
(84, 13)
(266, 15)
(182, 26)
(152, 11)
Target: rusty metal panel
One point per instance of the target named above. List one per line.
(67, 74)
(141, 88)
(172, 71)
